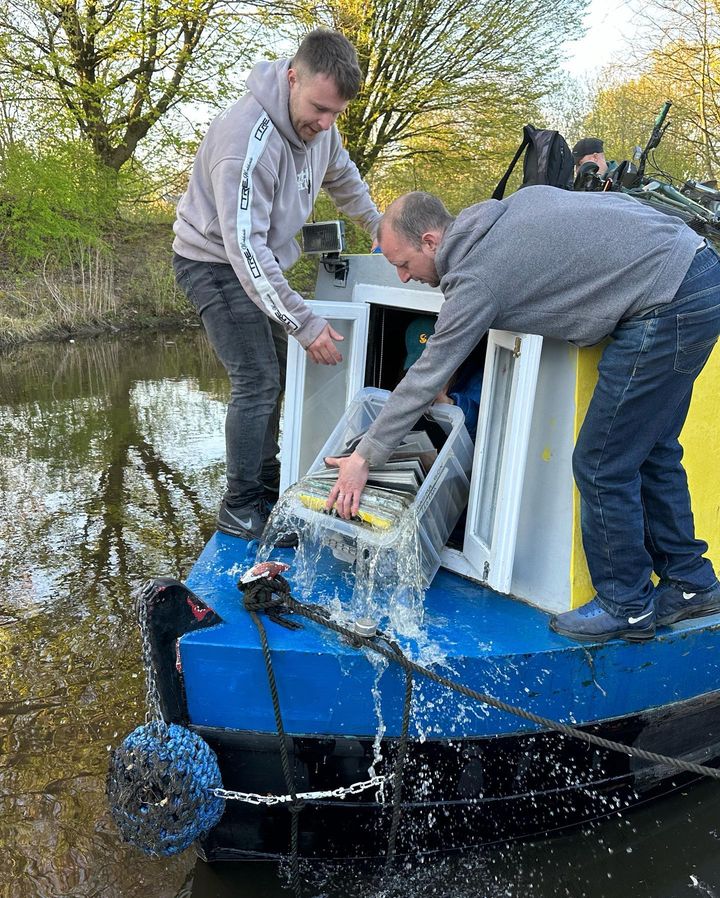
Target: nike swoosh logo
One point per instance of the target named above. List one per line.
(636, 620)
(246, 524)
(689, 595)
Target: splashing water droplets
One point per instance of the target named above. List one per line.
(381, 564)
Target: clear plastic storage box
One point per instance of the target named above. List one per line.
(442, 496)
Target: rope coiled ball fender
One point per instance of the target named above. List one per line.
(160, 788)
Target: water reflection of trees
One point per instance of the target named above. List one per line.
(72, 433)
(70, 370)
(99, 492)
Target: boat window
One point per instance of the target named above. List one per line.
(319, 394)
(488, 478)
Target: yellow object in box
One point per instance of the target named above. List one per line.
(379, 508)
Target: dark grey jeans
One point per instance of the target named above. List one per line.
(253, 351)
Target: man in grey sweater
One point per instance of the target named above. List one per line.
(578, 267)
(254, 183)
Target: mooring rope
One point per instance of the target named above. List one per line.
(400, 761)
(253, 604)
(164, 785)
(258, 596)
(280, 587)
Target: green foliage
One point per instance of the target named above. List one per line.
(115, 70)
(680, 62)
(452, 66)
(143, 266)
(460, 164)
(92, 149)
(74, 256)
(623, 115)
(52, 198)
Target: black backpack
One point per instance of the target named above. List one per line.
(548, 160)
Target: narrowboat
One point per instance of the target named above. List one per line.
(473, 773)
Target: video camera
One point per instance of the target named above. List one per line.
(697, 203)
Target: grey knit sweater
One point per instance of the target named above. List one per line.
(543, 261)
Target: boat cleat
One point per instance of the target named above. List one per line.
(265, 570)
(365, 627)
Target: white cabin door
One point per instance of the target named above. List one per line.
(316, 396)
(504, 419)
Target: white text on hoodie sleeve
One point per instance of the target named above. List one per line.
(244, 191)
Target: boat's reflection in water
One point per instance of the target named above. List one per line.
(666, 849)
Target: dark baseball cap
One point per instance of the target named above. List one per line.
(586, 146)
(417, 334)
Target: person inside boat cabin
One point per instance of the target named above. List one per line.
(463, 388)
(253, 185)
(578, 267)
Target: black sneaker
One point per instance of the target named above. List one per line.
(248, 522)
(591, 623)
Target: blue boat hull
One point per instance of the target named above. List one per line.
(474, 774)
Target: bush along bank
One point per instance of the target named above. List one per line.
(79, 255)
(128, 284)
(125, 283)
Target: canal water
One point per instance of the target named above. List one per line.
(111, 467)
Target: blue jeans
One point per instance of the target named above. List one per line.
(253, 351)
(635, 504)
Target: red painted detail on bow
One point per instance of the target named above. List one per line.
(199, 613)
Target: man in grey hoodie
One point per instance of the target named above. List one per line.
(577, 267)
(253, 185)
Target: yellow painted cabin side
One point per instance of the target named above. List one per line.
(699, 439)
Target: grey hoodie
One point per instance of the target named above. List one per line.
(253, 186)
(543, 261)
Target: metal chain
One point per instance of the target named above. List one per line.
(152, 694)
(340, 792)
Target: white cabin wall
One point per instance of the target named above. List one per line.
(372, 268)
(542, 569)
(541, 573)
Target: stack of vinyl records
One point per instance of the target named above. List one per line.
(391, 487)
(403, 472)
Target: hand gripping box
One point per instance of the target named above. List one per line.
(441, 497)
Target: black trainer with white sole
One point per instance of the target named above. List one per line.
(248, 522)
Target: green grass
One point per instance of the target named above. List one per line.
(120, 282)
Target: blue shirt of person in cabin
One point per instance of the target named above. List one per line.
(464, 388)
